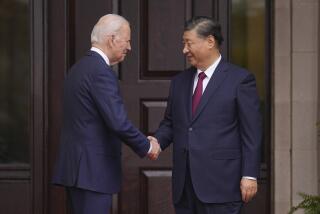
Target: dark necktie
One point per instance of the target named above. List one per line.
(197, 92)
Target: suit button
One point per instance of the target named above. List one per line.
(190, 129)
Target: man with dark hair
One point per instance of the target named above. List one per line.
(213, 120)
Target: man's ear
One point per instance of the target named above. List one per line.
(211, 41)
(109, 41)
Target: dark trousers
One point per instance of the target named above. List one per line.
(83, 201)
(190, 204)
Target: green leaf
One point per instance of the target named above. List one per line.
(310, 204)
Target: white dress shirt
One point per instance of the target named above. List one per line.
(209, 72)
(100, 52)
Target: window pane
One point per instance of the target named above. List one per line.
(248, 30)
(14, 81)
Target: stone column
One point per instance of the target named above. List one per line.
(295, 97)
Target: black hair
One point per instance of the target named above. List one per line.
(204, 27)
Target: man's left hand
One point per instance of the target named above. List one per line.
(248, 189)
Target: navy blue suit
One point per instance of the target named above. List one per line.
(94, 125)
(221, 141)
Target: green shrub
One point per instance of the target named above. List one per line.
(310, 204)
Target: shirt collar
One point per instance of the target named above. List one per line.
(100, 52)
(211, 68)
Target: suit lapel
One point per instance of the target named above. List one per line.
(190, 80)
(217, 78)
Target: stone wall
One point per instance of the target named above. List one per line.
(295, 102)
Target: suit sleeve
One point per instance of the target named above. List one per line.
(164, 134)
(106, 95)
(250, 126)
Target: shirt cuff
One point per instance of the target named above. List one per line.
(250, 178)
(150, 149)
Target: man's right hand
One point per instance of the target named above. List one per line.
(155, 151)
(248, 188)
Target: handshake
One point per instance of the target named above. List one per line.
(155, 151)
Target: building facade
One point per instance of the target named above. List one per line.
(278, 40)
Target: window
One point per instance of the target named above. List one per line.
(249, 49)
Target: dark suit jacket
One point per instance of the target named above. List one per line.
(222, 140)
(94, 124)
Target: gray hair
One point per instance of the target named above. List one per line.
(109, 24)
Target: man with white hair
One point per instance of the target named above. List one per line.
(95, 123)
